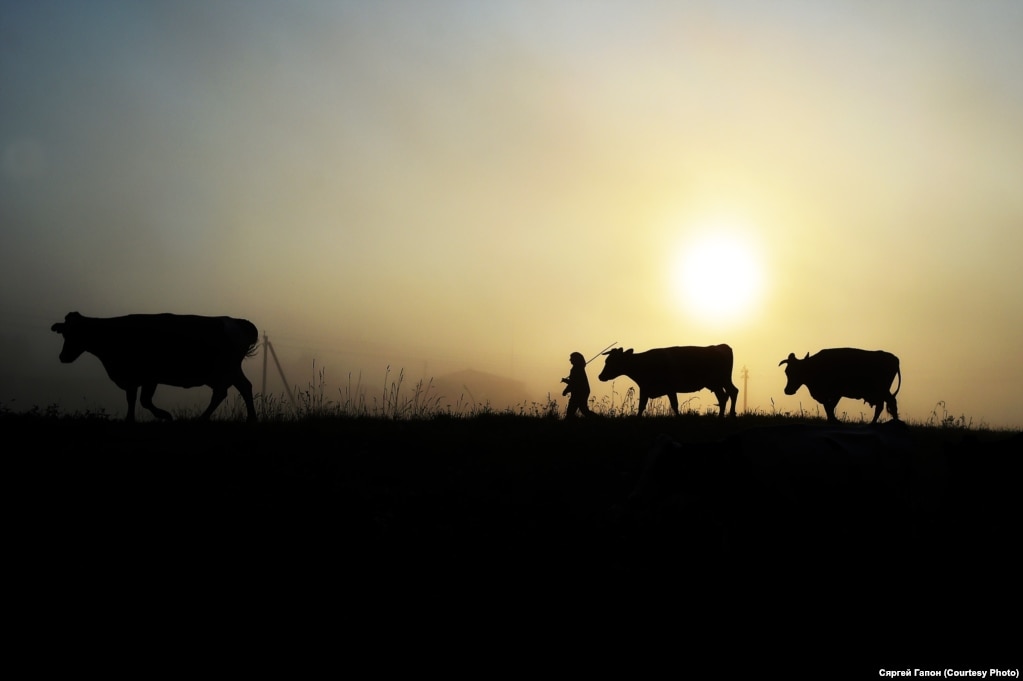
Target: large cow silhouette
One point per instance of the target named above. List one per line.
(144, 350)
(668, 371)
(835, 373)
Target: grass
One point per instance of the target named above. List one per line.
(380, 494)
(394, 400)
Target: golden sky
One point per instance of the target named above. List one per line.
(444, 185)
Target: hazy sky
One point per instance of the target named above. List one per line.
(442, 185)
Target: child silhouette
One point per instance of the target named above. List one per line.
(578, 386)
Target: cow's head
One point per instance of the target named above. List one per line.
(795, 373)
(71, 329)
(616, 363)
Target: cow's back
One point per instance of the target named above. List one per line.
(685, 368)
(182, 350)
(860, 372)
(713, 360)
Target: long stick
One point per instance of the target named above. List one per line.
(602, 352)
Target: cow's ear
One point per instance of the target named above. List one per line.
(59, 328)
(807, 356)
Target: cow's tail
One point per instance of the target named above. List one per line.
(249, 337)
(890, 403)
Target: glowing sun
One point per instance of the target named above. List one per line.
(717, 276)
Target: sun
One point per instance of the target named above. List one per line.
(717, 275)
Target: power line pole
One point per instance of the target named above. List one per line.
(270, 348)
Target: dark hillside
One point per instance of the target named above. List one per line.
(497, 510)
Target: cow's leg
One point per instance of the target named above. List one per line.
(219, 393)
(244, 386)
(877, 411)
(642, 403)
(722, 400)
(673, 401)
(148, 390)
(131, 393)
(829, 409)
(733, 392)
(893, 408)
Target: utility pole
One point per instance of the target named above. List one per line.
(269, 348)
(745, 390)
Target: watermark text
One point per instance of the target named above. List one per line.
(950, 673)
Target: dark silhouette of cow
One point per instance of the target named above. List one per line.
(181, 350)
(835, 373)
(668, 371)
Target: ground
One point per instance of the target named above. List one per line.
(491, 513)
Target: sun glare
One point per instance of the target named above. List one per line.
(717, 276)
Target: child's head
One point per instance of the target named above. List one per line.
(576, 358)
